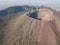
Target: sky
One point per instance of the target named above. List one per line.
(8, 3)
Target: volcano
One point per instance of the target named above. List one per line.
(38, 27)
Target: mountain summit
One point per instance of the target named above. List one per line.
(33, 27)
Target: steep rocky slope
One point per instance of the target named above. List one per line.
(25, 29)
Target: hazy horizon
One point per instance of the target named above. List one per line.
(7, 3)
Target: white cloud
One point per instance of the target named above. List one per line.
(6, 3)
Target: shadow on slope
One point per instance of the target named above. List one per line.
(33, 15)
